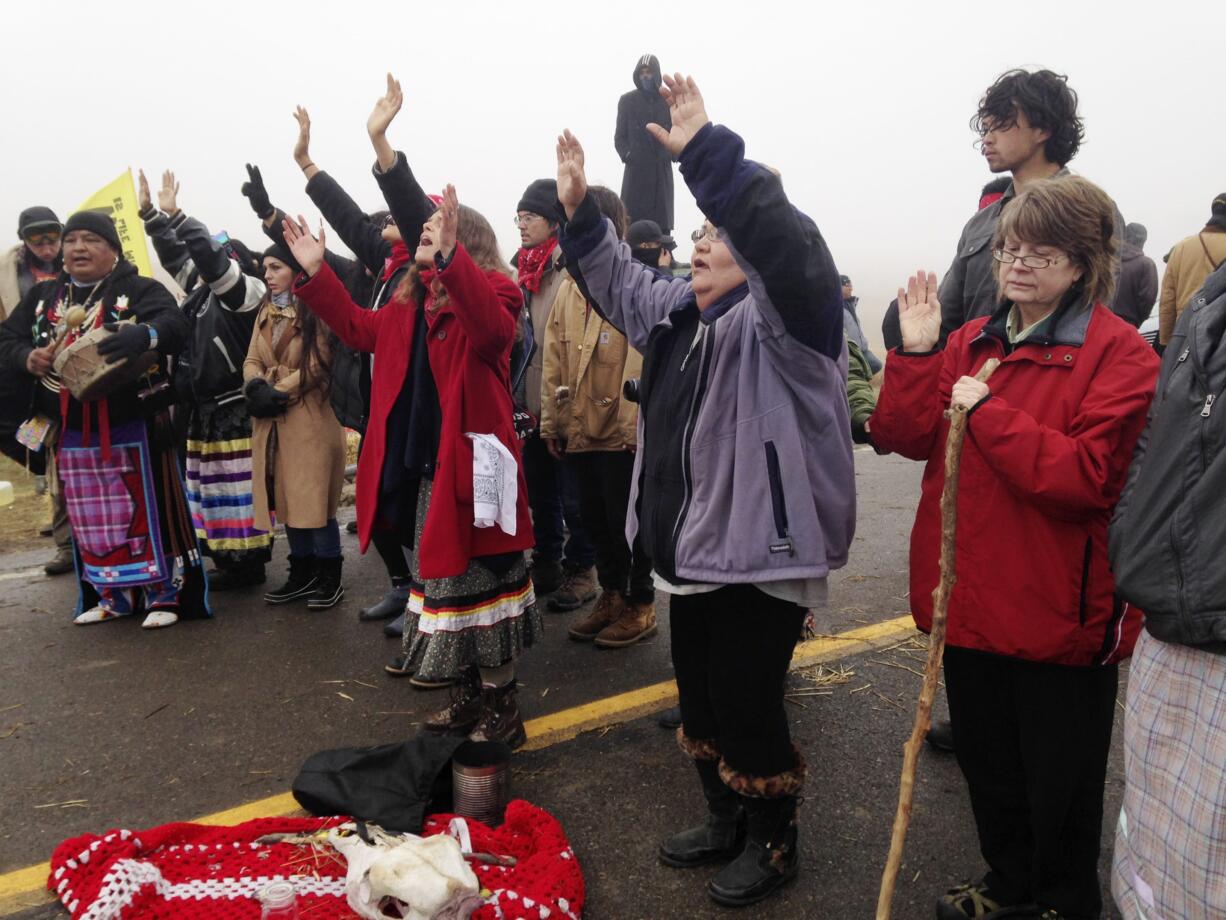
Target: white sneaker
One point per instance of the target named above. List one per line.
(94, 615)
(157, 619)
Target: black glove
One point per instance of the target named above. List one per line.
(263, 400)
(255, 192)
(130, 341)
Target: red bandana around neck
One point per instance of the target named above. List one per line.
(533, 262)
(400, 257)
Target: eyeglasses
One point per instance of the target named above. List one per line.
(708, 233)
(42, 239)
(526, 218)
(1005, 257)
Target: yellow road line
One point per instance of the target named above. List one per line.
(24, 888)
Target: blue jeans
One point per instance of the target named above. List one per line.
(553, 493)
(320, 542)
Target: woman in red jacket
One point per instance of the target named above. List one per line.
(1035, 631)
(440, 394)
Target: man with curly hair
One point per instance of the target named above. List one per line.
(1028, 127)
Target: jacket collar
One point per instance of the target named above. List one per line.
(724, 304)
(1066, 325)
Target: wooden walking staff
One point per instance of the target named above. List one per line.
(936, 646)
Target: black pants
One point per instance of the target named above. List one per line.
(1032, 742)
(731, 651)
(391, 551)
(557, 522)
(604, 479)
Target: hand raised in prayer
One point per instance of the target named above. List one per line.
(689, 114)
(168, 194)
(302, 147)
(449, 212)
(308, 251)
(572, 180)
(919, 313)
(144, 199)
(385, 108)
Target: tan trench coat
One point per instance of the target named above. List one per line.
(302, 451)
(586, 364)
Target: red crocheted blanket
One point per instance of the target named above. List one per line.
(189, 871)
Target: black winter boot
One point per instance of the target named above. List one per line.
(720, 836)
(500, 719)
(770, 858)
(328, 591)
(392, 604)
(300, 584)
(234, 577)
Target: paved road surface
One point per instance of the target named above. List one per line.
(144, 728)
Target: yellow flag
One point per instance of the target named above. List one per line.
(118, 200)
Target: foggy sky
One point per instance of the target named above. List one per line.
(863, 107)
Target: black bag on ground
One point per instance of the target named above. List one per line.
(393, 785)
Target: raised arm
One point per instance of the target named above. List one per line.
(629, 295)
(410, 206)
(237, 291)
(325, 295)
(791, 273)
(171, 253)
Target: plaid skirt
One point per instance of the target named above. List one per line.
(1170, 843)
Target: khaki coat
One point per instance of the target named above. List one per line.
(10, 287)
(1191, 262)
(301, 452)
(586, 364)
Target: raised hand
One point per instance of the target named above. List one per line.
(919, 312)
(302, 148)
(168, 194)
(143, 197)
(255, 192)
(572, 180)
(385, 108)
(308, 251)
(449, 212)
(688, 112)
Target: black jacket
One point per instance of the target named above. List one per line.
(647, 184)
(1137, 291)
(221, 307)
(1169, 529)
(123, 294)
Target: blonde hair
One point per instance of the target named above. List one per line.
(1073, 215)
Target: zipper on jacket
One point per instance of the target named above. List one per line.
(1204, 413)
(1085, 582)
(783, 543)
(687, 438)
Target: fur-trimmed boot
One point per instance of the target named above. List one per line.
(771, 858)
(720, 836)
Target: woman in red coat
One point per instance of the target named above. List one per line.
(1035, 630)
(440, 394)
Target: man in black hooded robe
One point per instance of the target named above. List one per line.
(647, 184)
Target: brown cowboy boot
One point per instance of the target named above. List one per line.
(607, 610)
(500, 719)
(638, 621)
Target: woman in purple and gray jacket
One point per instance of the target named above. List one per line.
(744, 492)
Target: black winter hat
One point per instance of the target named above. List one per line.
(281, 254)
(541, 197)
(37, 218)
(97, 222)
(642, 232)
(240, 253)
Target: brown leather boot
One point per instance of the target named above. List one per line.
(607, 610)
(578, 587)
(500, 719)
(464, 710)
(638, 621)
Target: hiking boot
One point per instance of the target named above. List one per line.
(608, 608)
(940, 736)
(638, 621)
(500, 719)
(577, 588)
(465, 709)
(328, 591)
(61, 563)
(976, 899)
(301, 581)
(546, 575)
(233, 577)
(720, 836)
(392, 604)
(770, 858)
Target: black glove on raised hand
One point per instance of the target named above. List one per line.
(255, 192)
(130, 341)
(263, 400)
